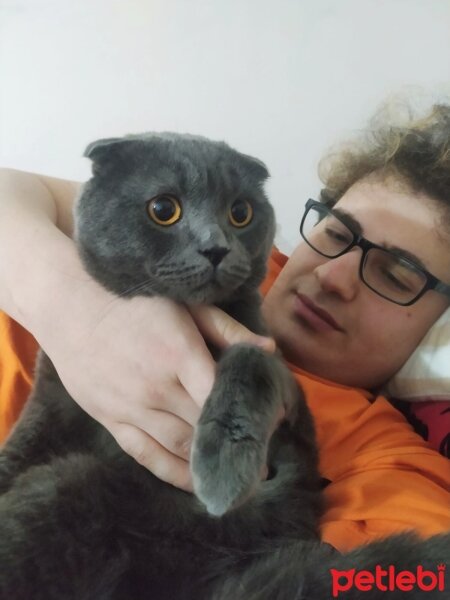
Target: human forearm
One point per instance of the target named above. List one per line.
(35, 221)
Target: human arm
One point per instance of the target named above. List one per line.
(145, 382)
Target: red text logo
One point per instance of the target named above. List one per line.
(387, 580)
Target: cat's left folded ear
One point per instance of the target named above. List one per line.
(102, 151)
(96, 149)
(255, 166)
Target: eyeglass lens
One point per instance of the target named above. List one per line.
(389, 275)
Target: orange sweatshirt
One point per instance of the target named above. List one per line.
(383, 477)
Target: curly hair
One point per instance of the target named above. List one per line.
(417, 152)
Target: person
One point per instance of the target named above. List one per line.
(368, 280)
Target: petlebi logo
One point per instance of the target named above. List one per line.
(387, 580)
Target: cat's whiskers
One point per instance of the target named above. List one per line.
(135, 288)
(110, 305)
(177, 271)
(234, 273)
(167, 269)
(237, 270)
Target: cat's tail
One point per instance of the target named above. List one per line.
(393, 568)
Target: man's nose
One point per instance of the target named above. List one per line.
(341, 275)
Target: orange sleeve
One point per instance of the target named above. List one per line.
(389, 494)
(384, 478)
(18, 351)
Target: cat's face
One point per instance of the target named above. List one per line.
(174, 215)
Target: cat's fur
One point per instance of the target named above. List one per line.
(81, 520)
(78, 517)
(303, 571)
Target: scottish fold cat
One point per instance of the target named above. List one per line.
(187, 218)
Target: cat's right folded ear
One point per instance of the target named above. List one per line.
(95, 149)
(100, 150)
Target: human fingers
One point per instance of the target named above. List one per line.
(151, 455)
(196, 368)
(171, 432)
(223, 331)
(170, 398)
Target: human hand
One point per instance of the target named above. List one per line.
(139, 366)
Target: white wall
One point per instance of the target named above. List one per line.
(281, 79)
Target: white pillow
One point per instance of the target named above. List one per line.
(426, 374)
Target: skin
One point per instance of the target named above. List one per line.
(376, 336)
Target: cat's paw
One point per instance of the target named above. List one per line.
(227, 465)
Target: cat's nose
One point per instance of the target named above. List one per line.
(215, 255)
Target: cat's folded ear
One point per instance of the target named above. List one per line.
(103, 150)
(96, 149)
(255, 166)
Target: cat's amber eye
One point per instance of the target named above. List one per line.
(240, 213)
(164, 210)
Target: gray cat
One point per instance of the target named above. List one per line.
(186, 218)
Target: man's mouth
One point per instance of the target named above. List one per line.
(318, 318)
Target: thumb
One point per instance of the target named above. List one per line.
(222, 330)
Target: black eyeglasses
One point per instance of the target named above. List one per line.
(385, 272)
